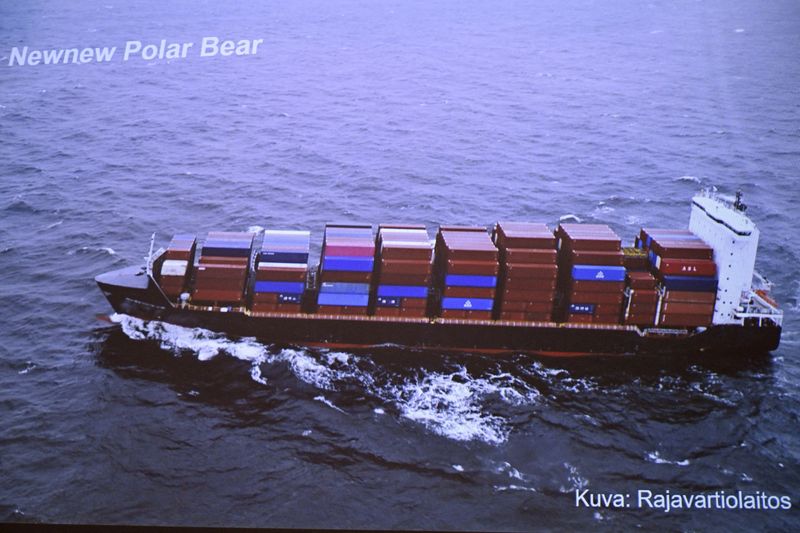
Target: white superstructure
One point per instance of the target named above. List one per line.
(734, 239)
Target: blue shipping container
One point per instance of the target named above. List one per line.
(333, 298)
(458, 280)
(287, 287)
(348, 264)
(409, 291)
(388, 302)
(344, 288)
(468, 304)
(283, 257)
(581, 309)
(598, 273)
(226, 252)
(690, 283)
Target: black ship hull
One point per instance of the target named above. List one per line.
(131, 291)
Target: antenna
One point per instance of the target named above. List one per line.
(150, 255)
(738, 205)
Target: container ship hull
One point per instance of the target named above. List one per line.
(132, 292)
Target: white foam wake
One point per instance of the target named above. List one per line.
(453, 404)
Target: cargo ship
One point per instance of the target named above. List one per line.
(515, 287)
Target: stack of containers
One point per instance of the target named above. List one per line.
(592, 275)
(178, 258)
(685, 268)
(403, 272)
(281, 271)
(348, 258)
(467, 268)
(528, 271)
(642, 302)
(222, 271)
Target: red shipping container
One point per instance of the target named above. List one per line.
(579, 319)
(684, 320)
(539, 307)
(688, 267)
(644, 296)
(521, 270)
(473, 268)
(404, 266)
(453, 313)
(220, 285)
(595, 286)
(542, 316)
(241, 262)
(343, 250)
(410, 312)
(530, 256)
(523, 235)
(419, 253)
(597, 297)
(414, 303)
(674, 249)
(462, 229)
(641, 319)
(346, 277)
(515, 295)
(584, 257)
(340, 310)
(469, 292)
(640, 280)
(518, 316)
(387, 311)
(528, 285)
(272, 274)
(276, 308)
(690, 297)
(681, 308)
(227, 297)
(404, 279)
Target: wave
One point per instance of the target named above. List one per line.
(655, 457)
(455, 405)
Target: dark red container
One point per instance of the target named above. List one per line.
(675, 320)
(640, 280)
(341, 310)
(681, 308)
(596, 286)
(347, 277)
(523, 255)
(529, 284)
(469, 292)
(515, 295)
(688, 267)
(281, 274)
(613, 297)
(406, 267)
(404, 279)
(584, 257)
(222, 296)
(522, 270)
(473, 268)
(690, 297)
(419, 253)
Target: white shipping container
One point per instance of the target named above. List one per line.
(174, 267)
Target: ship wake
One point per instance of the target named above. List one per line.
(451, 403)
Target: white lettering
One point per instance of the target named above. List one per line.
(87, 54)
(53, 56)
(131, 47)
(34, 57)
(18, 56)
(105, 53)
(74, 52)
(209, 47)
(226, 48)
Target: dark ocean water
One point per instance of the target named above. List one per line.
(454, 112)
